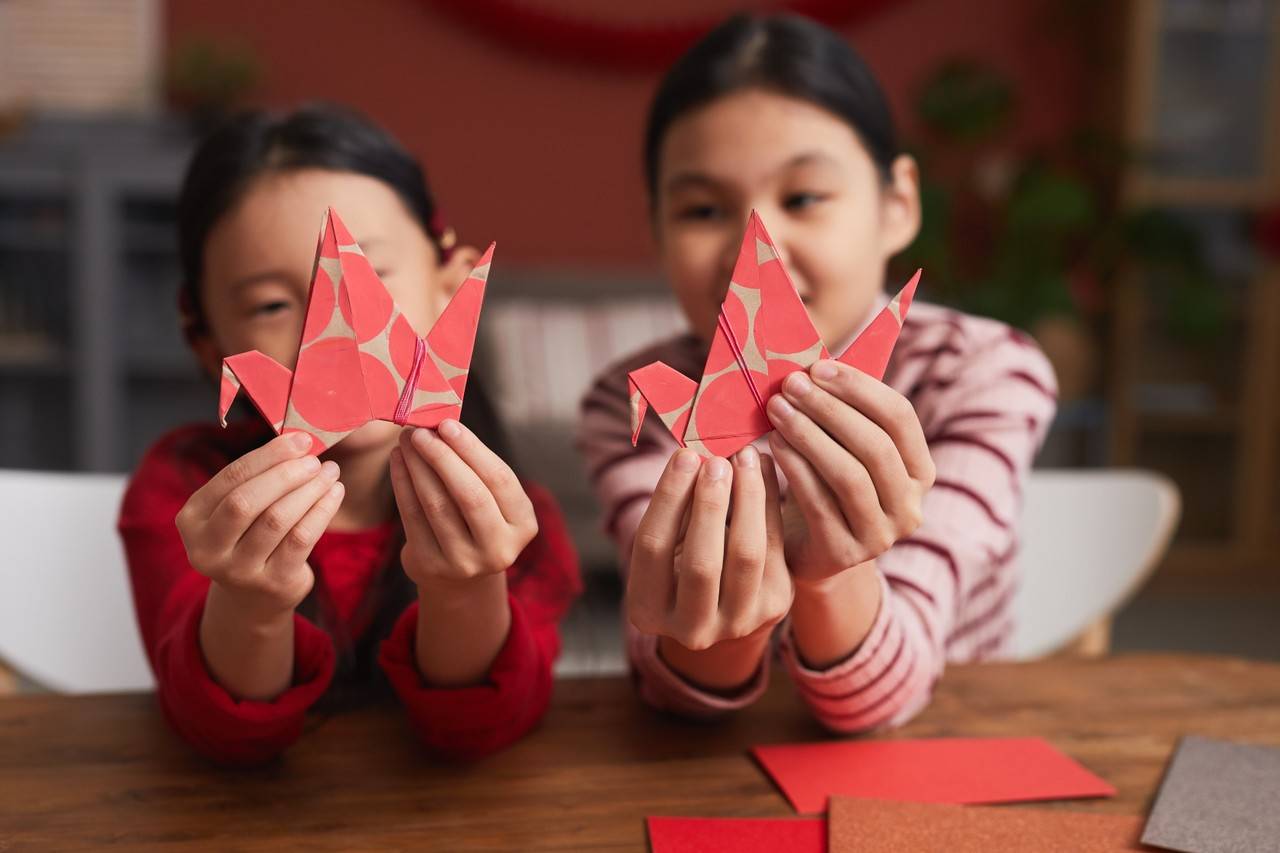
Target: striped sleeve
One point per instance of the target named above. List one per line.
(985, 396)
(624, 478)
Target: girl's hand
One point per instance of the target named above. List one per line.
(465, 514)
(691, 579)
(857, 467)
(251, 528)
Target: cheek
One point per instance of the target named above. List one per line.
(842, 277)
(693, 267)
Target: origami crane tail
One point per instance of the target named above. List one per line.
(265, 381)
(668, 391)
(870, 351)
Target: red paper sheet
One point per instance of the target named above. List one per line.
(942, 770)
(737, 835)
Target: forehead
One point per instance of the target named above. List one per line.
(750, 134)
(276, 220)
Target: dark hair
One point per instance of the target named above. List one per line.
(256, 143)
(783, 53)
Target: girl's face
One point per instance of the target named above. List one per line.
(835, 221)
(258, 259)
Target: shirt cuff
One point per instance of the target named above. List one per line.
(467, 722)
(663, 687)
(882, 682)
(231, 730)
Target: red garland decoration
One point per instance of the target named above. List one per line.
(596, 43)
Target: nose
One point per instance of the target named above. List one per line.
(778, 227)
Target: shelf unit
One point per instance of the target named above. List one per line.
(1203, 109)
(92, 364)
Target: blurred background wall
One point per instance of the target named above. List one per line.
(1102, 174)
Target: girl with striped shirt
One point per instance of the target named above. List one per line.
(870, 537)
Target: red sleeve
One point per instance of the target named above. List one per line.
(470, 722)
(169, 598)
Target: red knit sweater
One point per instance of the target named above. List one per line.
(169, 597)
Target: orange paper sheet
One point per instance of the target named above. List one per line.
(885, 826)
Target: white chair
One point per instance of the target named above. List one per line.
(66, 613)
(1090, 539)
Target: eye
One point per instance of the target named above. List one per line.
(267, 309)
(802, 200)
(698, 212)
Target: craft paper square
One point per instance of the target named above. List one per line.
(884, 826)
(1217, 797)
(737, 835)
(940, 770)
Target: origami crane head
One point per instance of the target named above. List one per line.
(763, 333)
(359, 360)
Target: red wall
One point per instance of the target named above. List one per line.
(544, 156)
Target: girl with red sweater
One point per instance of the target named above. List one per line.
(268, 581)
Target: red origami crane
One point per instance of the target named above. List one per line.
(359, 360)
(763, 333)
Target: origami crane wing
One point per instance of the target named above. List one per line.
(763, 333)
(359, 358)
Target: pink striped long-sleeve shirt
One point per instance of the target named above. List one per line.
(985, 396)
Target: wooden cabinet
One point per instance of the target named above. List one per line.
(92, 364)
(1203, 117)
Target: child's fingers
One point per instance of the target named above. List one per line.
(772, 504)
(746, 548)
(649, 576)
(294, 549)
(280, 518)
(844, 474)
(860, 436)
(241, 506)
(888, 409)
(776, 590)
(417, 529)
(659, 530)
(442, 514)
(470, 494)
(280, 449)
(496, 474)
(702, 554)
(822, 513)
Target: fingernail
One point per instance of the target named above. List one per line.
(309, 464)
(329, 469)
(300, 441)
(423, 436)
(450, 428)
(825, 369)
(780, 407)
(749, 458)
(798, 384)
(686, 460)
(717, 468)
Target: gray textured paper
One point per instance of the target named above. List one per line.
(1218, 797)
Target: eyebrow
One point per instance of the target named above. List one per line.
(247, 281)
(695, 179)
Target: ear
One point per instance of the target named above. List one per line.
(454, 271)
(900, 206)
(208, 354)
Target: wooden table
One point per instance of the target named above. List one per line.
(98, 771)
